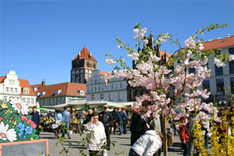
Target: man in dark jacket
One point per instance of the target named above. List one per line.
(36, 118)
(114, 114)
(138, 125)
(106, 118)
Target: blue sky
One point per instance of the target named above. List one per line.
(39, 39)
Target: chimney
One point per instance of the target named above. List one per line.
(43, 83)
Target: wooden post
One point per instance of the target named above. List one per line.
(165, 150)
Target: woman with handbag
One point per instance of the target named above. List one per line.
(58, 123)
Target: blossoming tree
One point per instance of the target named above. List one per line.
(169, 86)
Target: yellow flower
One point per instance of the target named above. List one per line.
(31, 138)
(8, 111)
(4, 105)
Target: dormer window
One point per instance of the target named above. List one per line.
(35, 88)
(43, 93)
(11, 82)
(81, 92)
(26, 91)
(38, 94)
(57, 92)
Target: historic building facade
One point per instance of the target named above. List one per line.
(82, 66)
(60, 95)
(116, 90)
(12, 87)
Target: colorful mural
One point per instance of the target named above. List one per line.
(15, 123)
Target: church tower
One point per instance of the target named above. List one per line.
(82, 66)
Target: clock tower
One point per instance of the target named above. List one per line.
(82, 66)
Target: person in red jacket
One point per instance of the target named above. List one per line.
(184, 137)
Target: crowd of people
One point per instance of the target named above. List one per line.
(146, 132)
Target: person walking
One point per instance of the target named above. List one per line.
(125, 122)
(67, 120)
(137, 126)
(96, 133)
(120, 121)
(115, 117)
(106, 118)
(88, 116)
(184, 137)
(147, 145)
(36, 119)
(58, 119)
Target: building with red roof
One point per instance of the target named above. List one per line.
(82, 66)
(221, 78)
(12, 87)
(60, 95)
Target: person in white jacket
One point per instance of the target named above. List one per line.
(147, 144)
(96, 132)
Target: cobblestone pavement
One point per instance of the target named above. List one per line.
(122, 144)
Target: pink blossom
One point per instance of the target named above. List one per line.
(231, 57)
(118, 46)
(162, 40)
(190, 42)
(143, 31)
(137, 38)
(135, 56)
(136, 31)
(219, 63)
(109, 61)
(200, 46)
(145, 41)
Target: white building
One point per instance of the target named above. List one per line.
(11, 86)
(115, 91)
(221, 79)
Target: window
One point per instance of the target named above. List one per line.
(112, 86)
(32, 100)
(59, 101)
(218, 70)
(87, 64)
(95, 88)
(93, 97)
(11, 82)
(42, 101)
(28, 101)
(217, 52)
(98, 88)
(116, 85)
(7, 89)
(88, 89)
(231, 63)
(232, 85)
(55, 101)
(51, 101)
(191, 70)
(120, 85)
(91, 89)
(110, 96)
(24, 99)
(26, 91)
(94, 65)
(206, 84)
(81, 92)
(16, 90)
(11, 89)
(46, 102)
(220, 86)
(120, 96)
(101, 96)
(5, 99)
